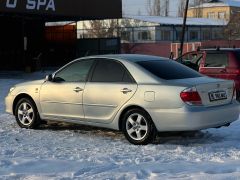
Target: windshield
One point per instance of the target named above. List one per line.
(168, 69)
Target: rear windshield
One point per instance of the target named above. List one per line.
(169, 69)
(219, 59)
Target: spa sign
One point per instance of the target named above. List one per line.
(81, 9)
(47, 5)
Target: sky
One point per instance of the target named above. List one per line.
(132, 7)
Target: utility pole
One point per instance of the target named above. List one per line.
(184, 28)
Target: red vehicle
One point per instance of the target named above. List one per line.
(217, 63)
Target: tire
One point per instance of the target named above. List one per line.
(138, 127)
(26, 114)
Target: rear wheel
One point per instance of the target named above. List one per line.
(138, 127)
(26, 114)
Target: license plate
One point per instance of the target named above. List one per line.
(218, 95)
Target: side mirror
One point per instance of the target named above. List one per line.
(49, 77)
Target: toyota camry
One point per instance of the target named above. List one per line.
(139, 95)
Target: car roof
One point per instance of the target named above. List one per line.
(130, 57)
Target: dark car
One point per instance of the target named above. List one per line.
(218, 63)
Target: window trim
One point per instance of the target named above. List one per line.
(69, 64)
(209, 15)
(222, 13)
(110, 59)
(167, 79)
(217, 67)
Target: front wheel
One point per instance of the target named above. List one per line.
(138, 127)
(26, 114)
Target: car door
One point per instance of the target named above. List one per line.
(215, 65)
(62, 97)
(192, 59)
(109, 88)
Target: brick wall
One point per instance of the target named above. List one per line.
(165, 48)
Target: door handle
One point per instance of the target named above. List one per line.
(223, 71)
(126, 90)
(78, 89)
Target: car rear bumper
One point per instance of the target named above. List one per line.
(9, 104)
(194, 118)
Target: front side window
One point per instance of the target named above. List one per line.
(216, 60)
(110, 71)
(75, 72)
(168, 69)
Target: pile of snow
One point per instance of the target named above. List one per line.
(80, 152)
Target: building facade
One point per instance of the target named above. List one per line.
(152, 29)
(216, 9)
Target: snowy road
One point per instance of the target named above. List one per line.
(78, 152)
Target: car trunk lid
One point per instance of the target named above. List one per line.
(213, 92)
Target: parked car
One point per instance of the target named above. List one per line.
(136, 94)
(217, 63)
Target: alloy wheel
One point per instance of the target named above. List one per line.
(137, 127)
(25, 113)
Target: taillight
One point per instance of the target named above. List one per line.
(191, 97)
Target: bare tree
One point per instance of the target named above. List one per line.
(166, 8)
(149, 7)
(139, 13)
(232, 30)
(154, 7)
(198, 9)
(181, 8)
(158, 7)
(101, 28)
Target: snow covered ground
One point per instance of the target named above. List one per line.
(79, 152)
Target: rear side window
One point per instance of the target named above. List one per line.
(216, 60)
(169, 70)
(110, 71)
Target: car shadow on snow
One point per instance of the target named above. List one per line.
(174, 138)
(81, 129)
(188, 138)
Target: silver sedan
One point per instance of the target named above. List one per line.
(137, 94)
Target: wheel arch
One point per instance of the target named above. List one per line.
(127, 109)
(18, 97)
